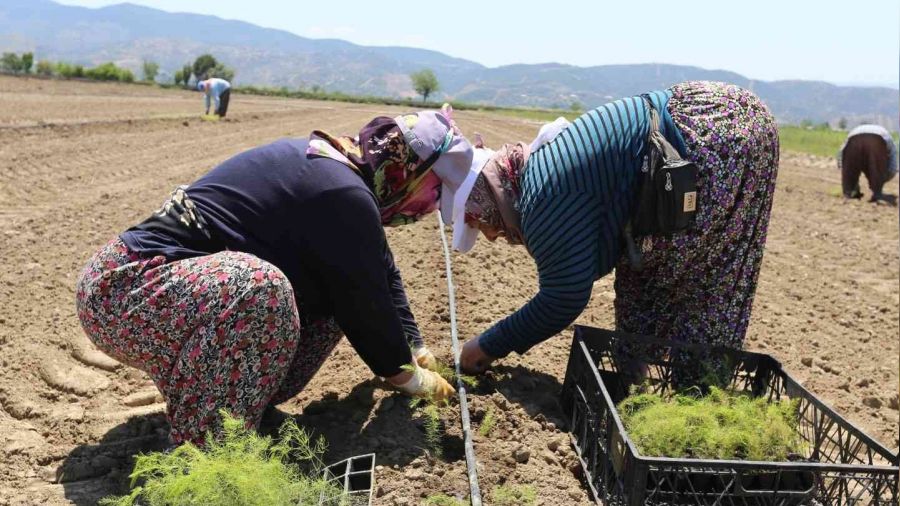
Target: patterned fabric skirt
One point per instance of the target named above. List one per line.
(698, 286)
(213, 332)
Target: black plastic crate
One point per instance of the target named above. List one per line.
(842, 467)
(355, 478)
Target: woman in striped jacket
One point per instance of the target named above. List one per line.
(571, 199)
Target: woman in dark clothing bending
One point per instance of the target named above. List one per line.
(235, 292)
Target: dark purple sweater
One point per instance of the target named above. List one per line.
(314, 219)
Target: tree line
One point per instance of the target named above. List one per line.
(204, 67)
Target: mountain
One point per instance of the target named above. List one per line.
(127, 34)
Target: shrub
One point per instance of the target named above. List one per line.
(186, 74)
(109, 72)
(720, 425)
(10, 62)
(27, 61)
(151, 70)
(64, 69)
(240, 469)
(44, 68)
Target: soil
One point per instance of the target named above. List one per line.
(80, 162)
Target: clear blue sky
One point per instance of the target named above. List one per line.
(844, 42)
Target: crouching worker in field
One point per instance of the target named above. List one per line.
(568, 203)
(217, 91)
(869, 150)
(234, 293)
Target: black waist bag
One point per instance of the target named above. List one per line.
(667, 193)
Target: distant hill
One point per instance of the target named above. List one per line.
(127, 34)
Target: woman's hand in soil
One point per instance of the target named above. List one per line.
(420, 382)
(425, 358)
(472, 359)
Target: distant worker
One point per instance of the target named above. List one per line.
(219, 90)
(870, 150)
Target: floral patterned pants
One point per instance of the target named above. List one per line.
(217, 331)
(698, 286)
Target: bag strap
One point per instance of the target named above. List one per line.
(668, 152)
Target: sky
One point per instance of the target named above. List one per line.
(843, 42)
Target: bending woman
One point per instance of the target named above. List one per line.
(237, 290)
(570, 202)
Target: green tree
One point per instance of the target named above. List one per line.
(576, 107)
(27, 62)
(425, 83)
(222, 72)
(10, 62)
(151, 69)
(203, 64)
(186, 70)
(842, 123)
(179, 77)
(44, 68)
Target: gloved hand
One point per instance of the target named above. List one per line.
(427, 384)
(424, 358)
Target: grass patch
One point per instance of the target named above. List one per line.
(814, 141)
(513, 495)
(817, 141)
(720, 425)
(241, 468)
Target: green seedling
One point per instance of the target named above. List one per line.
(720, 425)
(434, 434)
(431, 410)
(240, 468)
(443, 500)
(513, 495)
(487, 423)
(450, 375)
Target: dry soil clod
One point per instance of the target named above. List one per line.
(72, 378)
(143, 398)
(95, 358)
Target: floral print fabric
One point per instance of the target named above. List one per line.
(495, 195)
(404, 186)
(216, 331)
(698, 286)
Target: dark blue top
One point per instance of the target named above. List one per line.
(316, 221)
(577, 195)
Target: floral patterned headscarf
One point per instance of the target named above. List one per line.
(403, 183)
(495, 195)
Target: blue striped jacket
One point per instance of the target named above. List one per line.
(577, 194)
